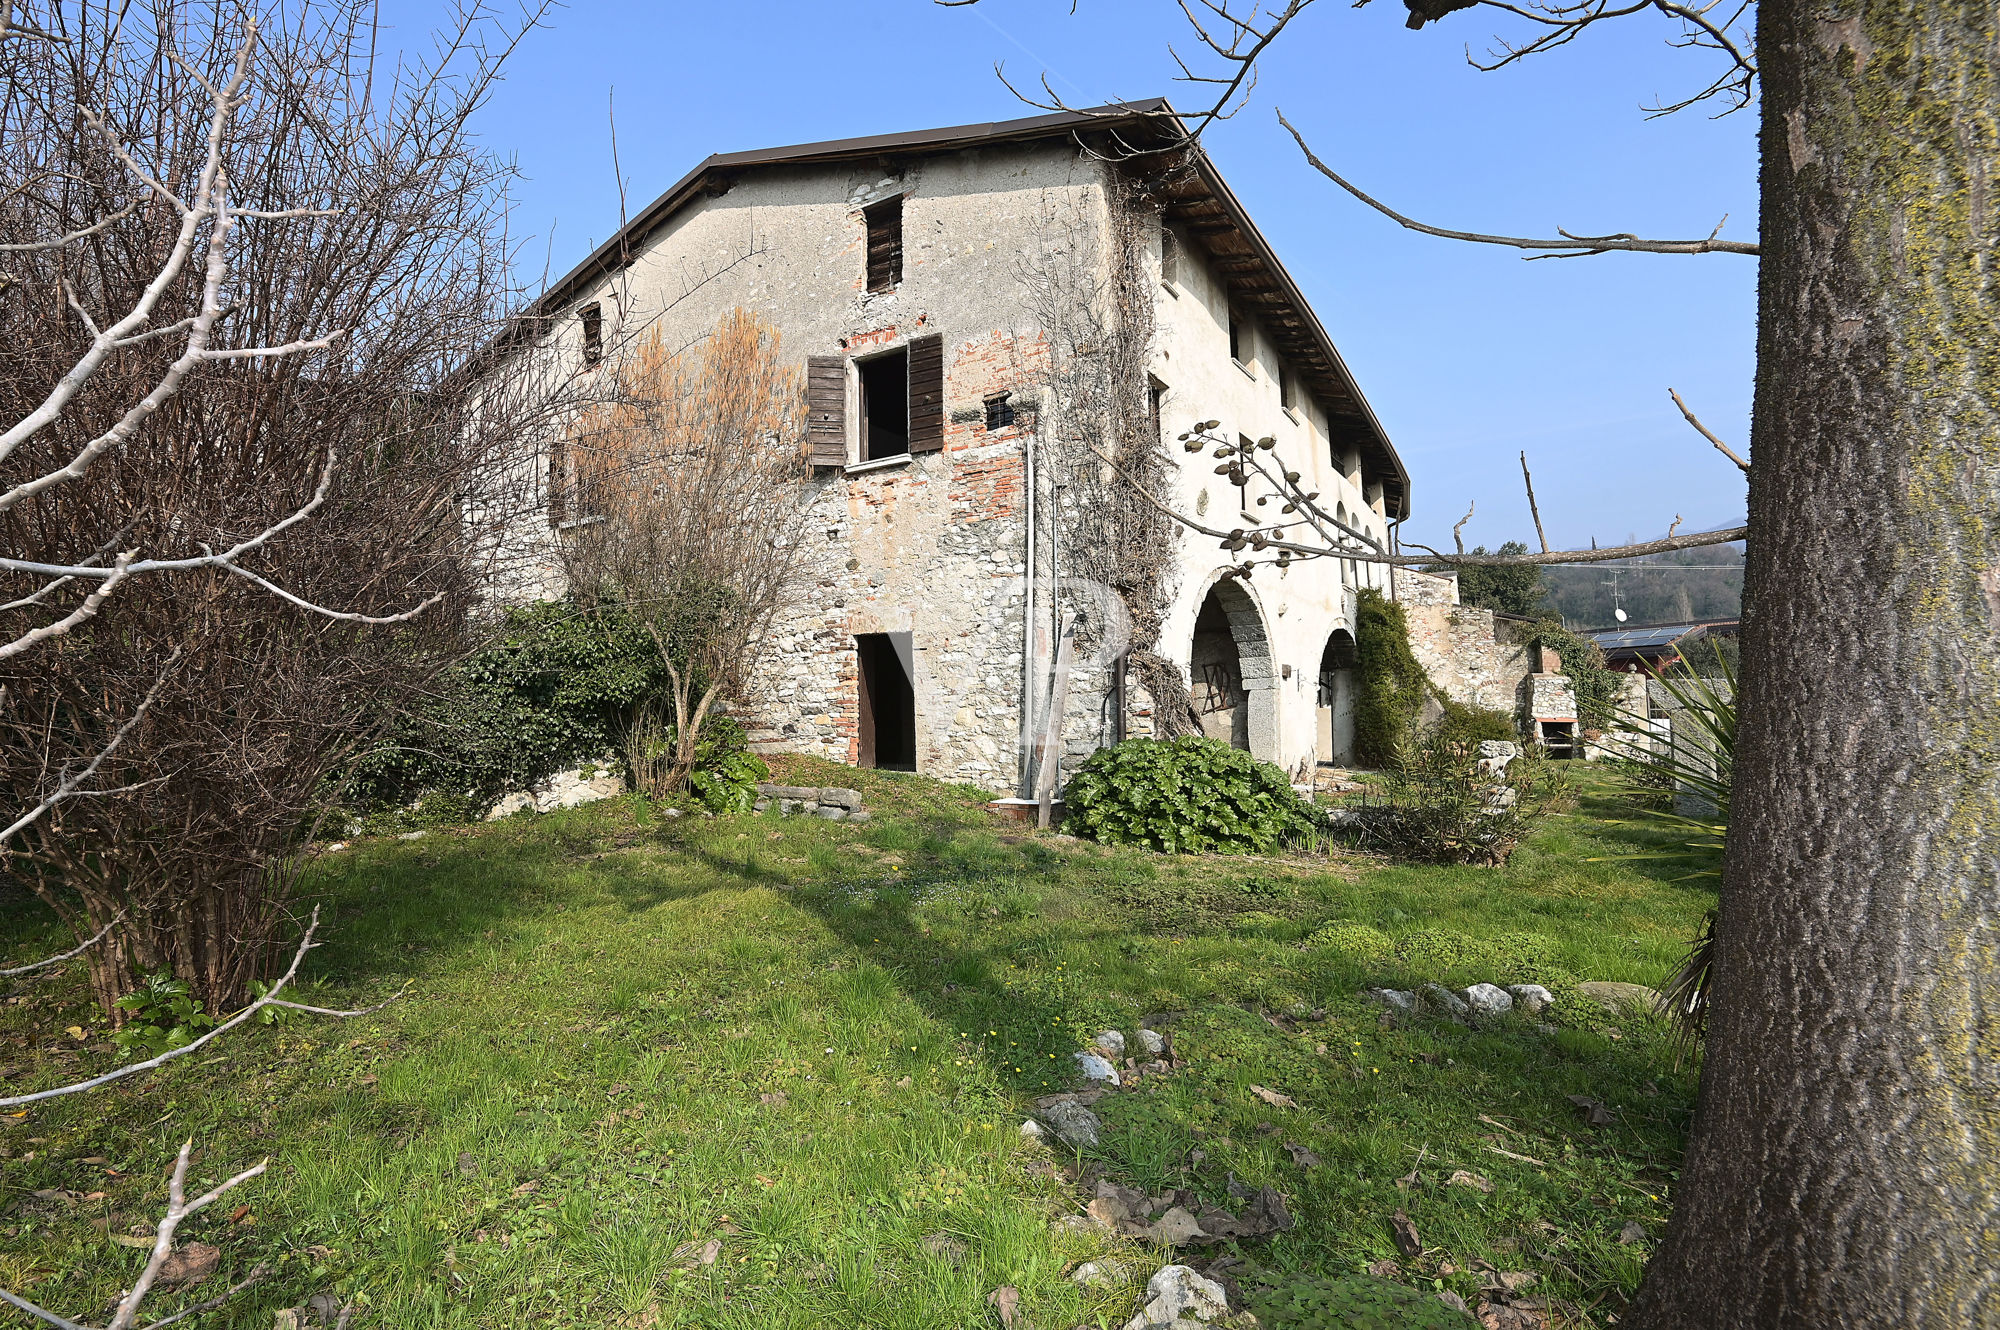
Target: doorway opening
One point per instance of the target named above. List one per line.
(1336, 700)
(888, 703)
(885, 406)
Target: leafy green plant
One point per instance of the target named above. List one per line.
(726, 772)
(1466, 724)
(1185, 796)
(163, 1016)
(1438, 806)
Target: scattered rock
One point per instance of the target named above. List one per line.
(1153, 1042)
(1301, 1156)
(190, 1264)
(1097, 1068)
(1461, 1178)
(1450, 1003)
(1073, 1124)
(1631, 1233)
(1395, 999)
(413, 835)
(1097, 1274)
(1111, 1043)
(1593, 1110)
(1405, 1235)
(1530, 998)
(336, 847)
(1177, 1228)
(510, 804)
(1487, 999)
(1032, 1130)
(1176, 1295)
(1620, 998)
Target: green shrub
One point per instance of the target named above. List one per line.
(1470, 725)
(1356, 941)
(1185, 796)
(1437, 806)
(726, 772)
(1390, 683)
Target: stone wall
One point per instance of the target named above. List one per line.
(1475, 657)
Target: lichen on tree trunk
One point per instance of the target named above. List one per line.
(1844, 1167)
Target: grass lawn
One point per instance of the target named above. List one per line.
(816, 1042)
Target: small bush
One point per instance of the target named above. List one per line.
(1437, 806)
(1185, 796)
(1471, 726)
(726, 772)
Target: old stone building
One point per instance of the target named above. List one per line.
(983, 314)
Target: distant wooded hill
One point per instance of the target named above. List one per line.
(1664, 588)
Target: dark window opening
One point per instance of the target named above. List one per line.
(885, 406)
(1285, 389)
(1236, 338)
(593, 333)
(887, 720)
(885, 244)
(1156, 396)
(999, 412)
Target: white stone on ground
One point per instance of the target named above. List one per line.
(1112, 1042)
(1531, 998)
(1444, 999)
(1153, 1042)
(1095, 1067)
(1395, 998)
(1487, 999)
(1032, 1130)
(1074, 1125)
(1097, 1274)
(1176, 1295)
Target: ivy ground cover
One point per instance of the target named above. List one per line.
(747, 1071)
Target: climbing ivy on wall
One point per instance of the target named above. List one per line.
(548, 693)
(1390, 683)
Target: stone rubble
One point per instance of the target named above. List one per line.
(1096, 1067)
(1153, 1042)
(1530, 998)
(1074, 1125)
(1487, 999)
(832, 802)
(1177, 1297)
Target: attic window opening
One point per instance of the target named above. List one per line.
(1287, 390)
(885, 244)
(592, 318)
(999, 411)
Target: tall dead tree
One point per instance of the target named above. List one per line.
(1842, 1168)
(243, 478)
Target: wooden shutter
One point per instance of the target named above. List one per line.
(826, 410)
(926, 394)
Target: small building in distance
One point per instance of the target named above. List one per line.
(1640, 648)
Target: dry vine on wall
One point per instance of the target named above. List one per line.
(1088, 284)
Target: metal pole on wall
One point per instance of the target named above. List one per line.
(1050, 749)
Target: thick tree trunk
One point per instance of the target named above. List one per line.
(1844, 1168)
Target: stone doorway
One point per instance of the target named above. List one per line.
(1233, 679)
(1335, 745)
(887, 719)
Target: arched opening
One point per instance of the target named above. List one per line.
(1336, 700)
(1230, 665)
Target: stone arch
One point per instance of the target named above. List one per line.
(1235, 679)
(1335, 742)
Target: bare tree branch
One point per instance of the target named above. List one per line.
(1533, 508)
(1458, 531)
(1705, 433)
(71, 954)
(1570, 246)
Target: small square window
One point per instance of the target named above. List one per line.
(999, 412)
(885, 244)
(592, 317)
(1286, 391)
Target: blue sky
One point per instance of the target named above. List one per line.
(1468, 354)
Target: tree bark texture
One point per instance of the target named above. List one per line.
(1844, 1167)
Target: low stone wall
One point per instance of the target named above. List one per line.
(566, 789)
(831, 802)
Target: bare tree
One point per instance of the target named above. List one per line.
(688, 502)
(245, 480)
(1840, 1170)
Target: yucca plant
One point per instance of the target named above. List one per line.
(1697, 767)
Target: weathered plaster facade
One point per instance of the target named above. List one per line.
(936, 545)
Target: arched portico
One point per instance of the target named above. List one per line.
(1235, 681)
